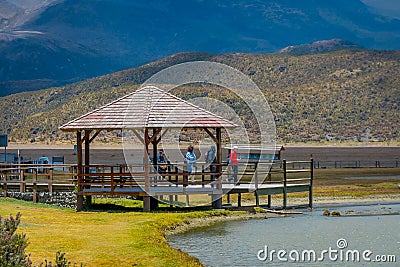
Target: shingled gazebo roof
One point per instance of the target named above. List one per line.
(149, 107)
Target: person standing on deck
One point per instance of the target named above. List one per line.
(162, 162)
(233, 159)
(211, 159)
(190, 159)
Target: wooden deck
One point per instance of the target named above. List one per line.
(101, 180)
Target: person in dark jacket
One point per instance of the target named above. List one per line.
(190, 159)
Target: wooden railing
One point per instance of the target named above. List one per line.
(37, 177)
(134, 175)
(49, 178)
(295, 176)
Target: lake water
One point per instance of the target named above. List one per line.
(362, 236)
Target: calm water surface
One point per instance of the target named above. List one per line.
(374, 228)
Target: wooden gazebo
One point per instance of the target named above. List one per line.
(146, 112)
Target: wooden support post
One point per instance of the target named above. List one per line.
(121, 178)
(239, 199)
(155, 156)
(103, 170)
(112, 180)
(157, 177)
(269, 201)
(147, 198)
(34, 186)
(154, 143)
(50, 186)
(202, 175)
(79, 199)
(147, 203)
(217, 198)
(310, 193)
(171, 200)
(22, 184)
(187, 200)
(256, 175)
(88, 199)
(284, 183)
(228, 198)
(257, 198)
(269, 196)
(4, 184)
(185, 179)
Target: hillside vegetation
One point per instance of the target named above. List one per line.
(338, 96)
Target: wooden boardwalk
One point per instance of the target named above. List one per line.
(121, 180)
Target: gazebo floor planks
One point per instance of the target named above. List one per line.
(168, 189)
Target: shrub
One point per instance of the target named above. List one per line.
(12, 245)
(61, 261)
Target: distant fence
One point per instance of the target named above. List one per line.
(331, 164)
(357, 164)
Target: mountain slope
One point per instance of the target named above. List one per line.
(339, 96)
(323, 46)
(66, 41)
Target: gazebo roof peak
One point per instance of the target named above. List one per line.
(147, 107)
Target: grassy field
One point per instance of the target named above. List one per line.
(101, 238)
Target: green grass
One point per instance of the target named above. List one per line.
(101, 238)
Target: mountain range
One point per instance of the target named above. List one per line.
(340, 96)
(55, 42)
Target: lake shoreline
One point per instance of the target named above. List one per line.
(248, 213)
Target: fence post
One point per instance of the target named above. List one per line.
(4, 184)
(284, 183)
(256, 177)
(22, 186)
(256, 186)
(176, 177)
(202, 175)
(34, 185)
(310, 192)
(269, 196)
(51, 180)
(257, 198)
(112, 180)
